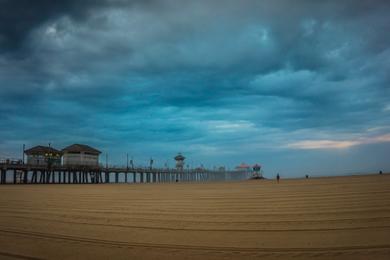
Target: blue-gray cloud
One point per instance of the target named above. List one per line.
(222, 83)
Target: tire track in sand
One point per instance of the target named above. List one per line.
(104, 242)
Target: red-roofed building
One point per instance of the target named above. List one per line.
(243, 167)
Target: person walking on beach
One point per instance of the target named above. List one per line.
(277, 177)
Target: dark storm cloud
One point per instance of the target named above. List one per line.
(19, 17)
(198, 76)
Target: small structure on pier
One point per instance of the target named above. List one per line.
(80, 155)
(257, 172)
(179, 161)
(43, 155)
(221, 168)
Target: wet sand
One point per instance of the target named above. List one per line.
(321, 218)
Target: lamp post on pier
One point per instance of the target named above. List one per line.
(24, 149)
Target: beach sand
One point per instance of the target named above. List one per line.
(317, 218)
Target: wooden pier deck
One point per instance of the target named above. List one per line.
(35, 174)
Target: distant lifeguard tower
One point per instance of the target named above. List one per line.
(179, 161)
(256, 171)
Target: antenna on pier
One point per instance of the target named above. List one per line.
(106, 160)
(151, 162)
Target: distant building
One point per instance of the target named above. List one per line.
(179, 161)
(243, 167)
(80, 155)
(43, 155)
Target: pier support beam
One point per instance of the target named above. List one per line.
(40, 176)
(47, 176)
(14, 176)
(25, 176)
(91, 175)
(74, 177)
(2, 177)
(100, 177)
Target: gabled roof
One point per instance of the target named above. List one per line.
(76, 148)
(41, 150)
(179, 157)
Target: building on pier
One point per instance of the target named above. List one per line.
(43, 155)
(243, 167)
(179, 161)
(80, 155)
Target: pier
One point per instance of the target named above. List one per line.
(35, 174)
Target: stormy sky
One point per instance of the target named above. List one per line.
(297, 86)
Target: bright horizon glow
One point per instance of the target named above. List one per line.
(329, 144)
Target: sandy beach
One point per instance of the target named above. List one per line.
(319, 218)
